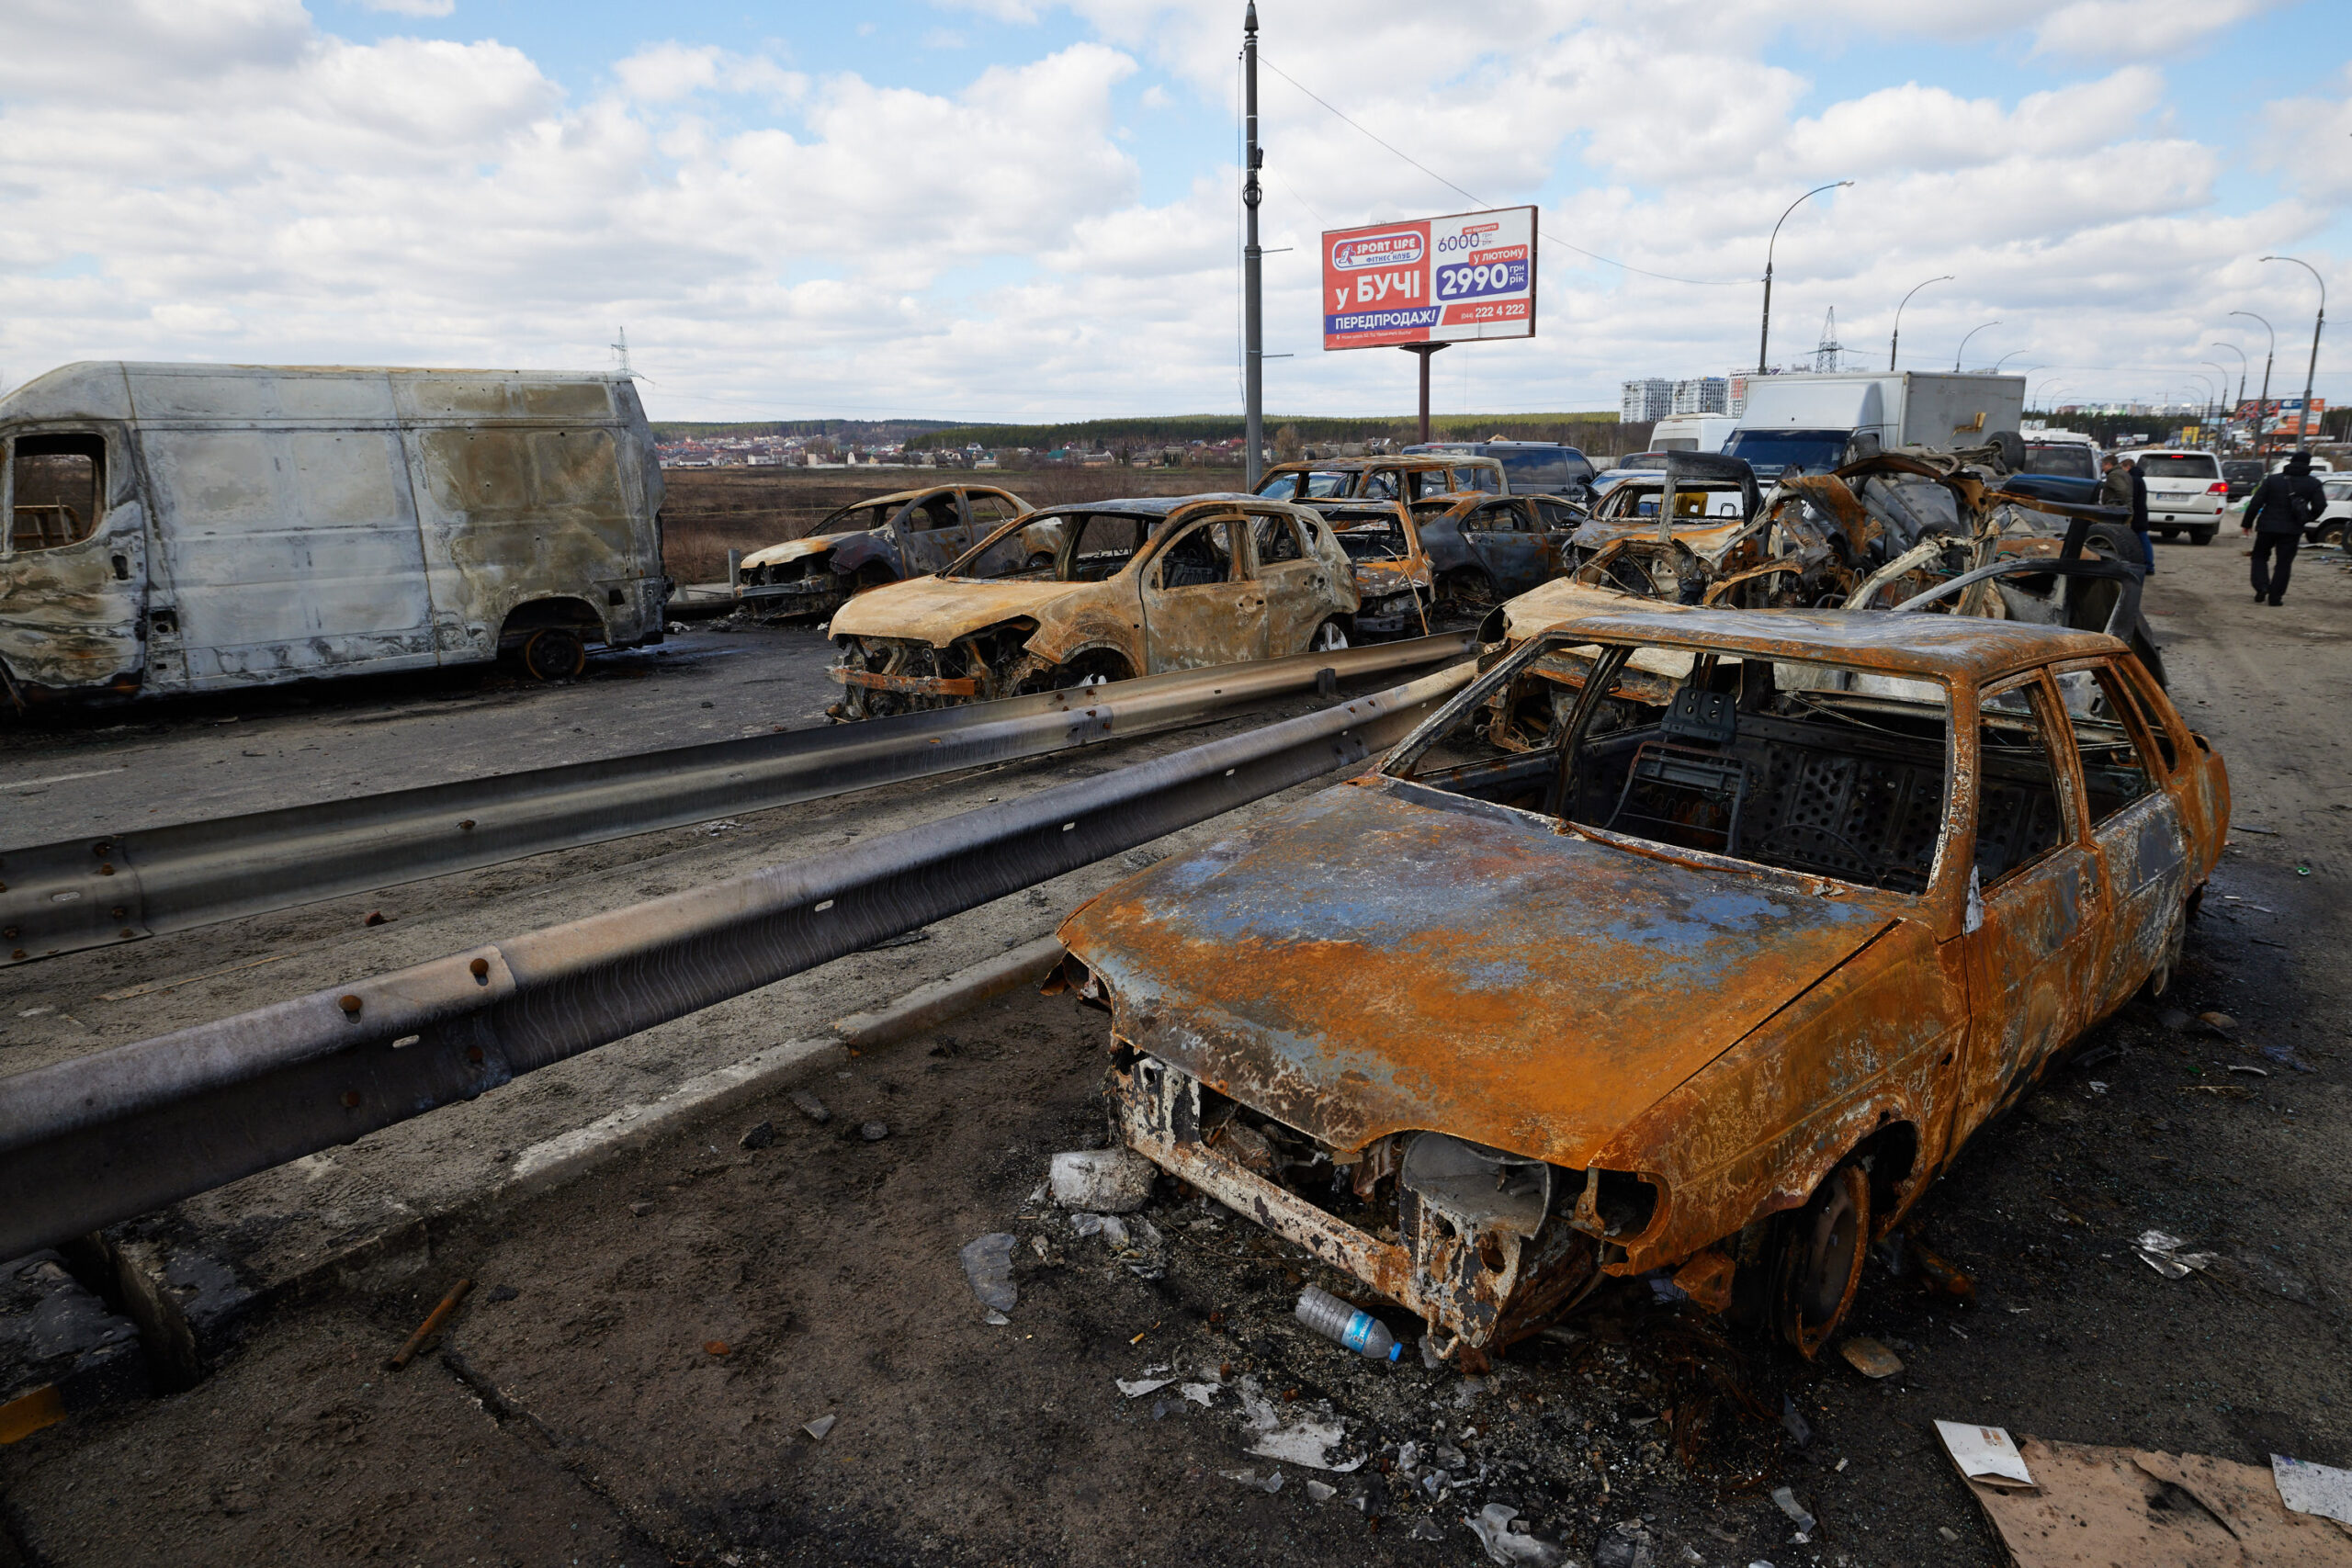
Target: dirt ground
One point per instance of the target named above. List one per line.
(631, 1380)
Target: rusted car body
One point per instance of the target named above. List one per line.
(1489, 548)
(886, 538)
(1135, 587)
(1383, 478)
(196, 527)
(1396, 583)
(1715, 981)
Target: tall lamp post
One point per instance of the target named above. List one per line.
(2223, 392)
(2303, 425)
(1253, 328)
(1764, 340)
(2006, 357)
(2234, 348)
(1896, 342)
(2262, 403)
(1963, 346)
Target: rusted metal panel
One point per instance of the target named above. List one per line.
(1192, 594)
(267, 523)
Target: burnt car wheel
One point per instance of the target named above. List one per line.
(1820, 1265)
(1330, 638)
(554, 654)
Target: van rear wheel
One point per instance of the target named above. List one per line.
(553, 653)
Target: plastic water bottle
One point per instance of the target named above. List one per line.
(1343, 1325)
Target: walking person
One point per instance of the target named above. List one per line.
(2121, 485)
(2282, 506)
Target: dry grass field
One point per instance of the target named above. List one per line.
(707, 512)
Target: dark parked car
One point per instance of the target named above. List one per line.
(2241, 474)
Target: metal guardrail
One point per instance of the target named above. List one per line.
(103, 889)
(104, 1137)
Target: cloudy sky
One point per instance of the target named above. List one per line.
(1027, 209)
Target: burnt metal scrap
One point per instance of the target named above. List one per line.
(1132, 587)
(887, 538)
(1710, 971)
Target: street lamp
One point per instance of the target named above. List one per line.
(2006, 357)
(2262, 403)
(1764, 342)
(2234, 348)
(2049, 390)
(1963, 346)
(2303, 425)
(1894, 342)
(2222, 393)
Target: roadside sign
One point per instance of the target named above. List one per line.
(1453, 279)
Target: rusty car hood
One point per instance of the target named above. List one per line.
(1383, 958)
(938, 610)
(1565, 598)
(792, 549)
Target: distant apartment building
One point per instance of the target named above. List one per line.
(1702, 394)
(1648, 401)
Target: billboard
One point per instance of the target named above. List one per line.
(1451, 279)
(2284, 416)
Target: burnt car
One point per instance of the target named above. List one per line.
(1134, 587)
(885, 539)
(1715, 981)
(1396, 584)
(1382, 478)
(1485, 549)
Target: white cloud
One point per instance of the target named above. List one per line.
(2137, 29)
(412, 7)
(837, 241)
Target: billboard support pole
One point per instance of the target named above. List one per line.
(1422, 351)
(1253, 337)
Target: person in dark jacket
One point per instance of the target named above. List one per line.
(2282, 506)
(2124, 486)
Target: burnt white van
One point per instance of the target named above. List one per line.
(174, 528)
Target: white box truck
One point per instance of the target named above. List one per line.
(196, 527)
(1817, 421)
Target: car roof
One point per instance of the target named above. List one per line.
(1350, 464)
(1929, 645)
(895, 496)
(1152, 505)
(2172, 452)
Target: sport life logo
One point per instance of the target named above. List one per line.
(1402, 248)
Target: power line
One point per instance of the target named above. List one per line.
(1595, 255)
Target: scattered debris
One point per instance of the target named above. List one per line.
(809, 1106)
(640, 1208)
(1869, 1358)
(1103, 1181)
(1786, 1500)
(376, 917)
(2162, 1253)
(987, 1264)
(2285, 1056)
(760, 1137)
(994, 1318)
(874, 1132)
(1792, 1421)
(1250, 1478)
(716, 1348)
(1137, 1387)
(1346, 1326)
(1985, 1453)
(2249, 1070)
(1200, 1393)
(2309, 1488)
(431, 1325)
(1302, 1441)
(820, 1426)
(1424, 1529)
(2221, 1023)
(1492, 1524)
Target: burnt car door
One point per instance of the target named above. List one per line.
(986, 511)
(2136, 827)
(1200, 604)
(1502, 534)
(1297, 584)
(932, 532)
(2036, 912)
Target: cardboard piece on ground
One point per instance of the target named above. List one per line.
(2093, 1507)
(1983, 1453)
(2309, 1488)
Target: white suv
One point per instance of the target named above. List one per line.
(2336, 521)
(2186, 492)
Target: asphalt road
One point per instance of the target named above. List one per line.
(631, 1382)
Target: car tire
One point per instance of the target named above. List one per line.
(2203, 536)
(2329, 532)
(1818, 1270)
(553, 653)
(1330, 638)
(2169, 534)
